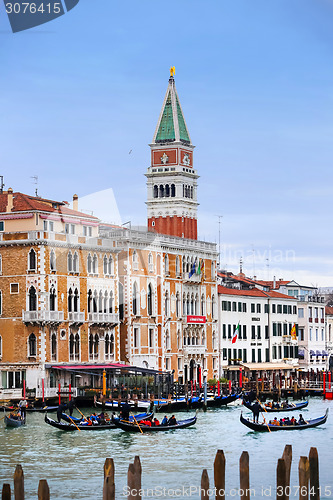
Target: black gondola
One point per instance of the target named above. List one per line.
(290, 407)
(40, 409)
(76, 420)
(222, 400)
(182, 424)
(14, 421)
(266, 427)
(84, 427)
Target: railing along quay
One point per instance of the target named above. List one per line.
(308, 481)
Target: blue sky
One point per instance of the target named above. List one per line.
(255, 82)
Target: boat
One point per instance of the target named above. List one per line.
(266, 427)
(77, 420)
(78, 424)
(195, 403)
(173, 405)
(129, 427)
(290, 407)
(10, 421)
(218, 401)
(41, 409)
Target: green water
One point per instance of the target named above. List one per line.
(73, 462)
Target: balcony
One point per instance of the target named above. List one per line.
(103, 318)
(194, 349)
(76, 318)
(195, 278)
(42, 316)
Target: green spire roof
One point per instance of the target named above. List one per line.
(183, 134)
(171, 124)
(166, 130)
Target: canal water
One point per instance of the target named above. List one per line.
(172, 462)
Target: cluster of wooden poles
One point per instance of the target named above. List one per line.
(308, 474)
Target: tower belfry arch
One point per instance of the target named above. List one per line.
(171, 178)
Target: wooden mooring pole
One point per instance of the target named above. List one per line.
(204, 485)
(6, 495)
(219, 475)
(303, 475)
(281, 480)
(109, 486)
(287, 457)
(19, 483)
(314, 474)
(244, 476)
(43, 490)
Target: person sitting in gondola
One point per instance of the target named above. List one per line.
(286, 421)
(275, 421)
(94, 418)
(285, 404)
(146, 422)
(172, 420)
(156, 422)
(293, 421)
(281, 421)
(301, 420)
(165, 420)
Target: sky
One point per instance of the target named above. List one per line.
(254, 79)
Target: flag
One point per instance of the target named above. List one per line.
(199, 268)
(192, 270)
(234, 337)
(293, 332)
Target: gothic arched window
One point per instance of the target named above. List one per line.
(32, 299)
(32, 260)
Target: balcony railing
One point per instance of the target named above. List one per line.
(194, 349)
(42, 316)
(99, 318)
(76, 317)
(195, 278)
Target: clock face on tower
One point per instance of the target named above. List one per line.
(186, 160)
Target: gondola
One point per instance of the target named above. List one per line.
(14, 422)
(114, 405)
(314, 422)
(138, 417)
(290, 407)
(222, 400)
(84, 427)
(182, 424)
(40, 409)
(179, 405)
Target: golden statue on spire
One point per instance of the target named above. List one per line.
(172, 71)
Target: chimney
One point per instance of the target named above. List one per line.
(9, 200)
(274, 282)
(75, 202)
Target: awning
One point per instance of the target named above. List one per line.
(318, 353)
(312, 353)
(264, 366)
(324, 353)
(301, 352)
(95, 369)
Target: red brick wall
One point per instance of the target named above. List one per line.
(174, 226)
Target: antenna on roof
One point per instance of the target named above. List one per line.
(35, 181)
(267, 265)
(2, 184)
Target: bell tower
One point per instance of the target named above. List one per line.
(171, 178)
